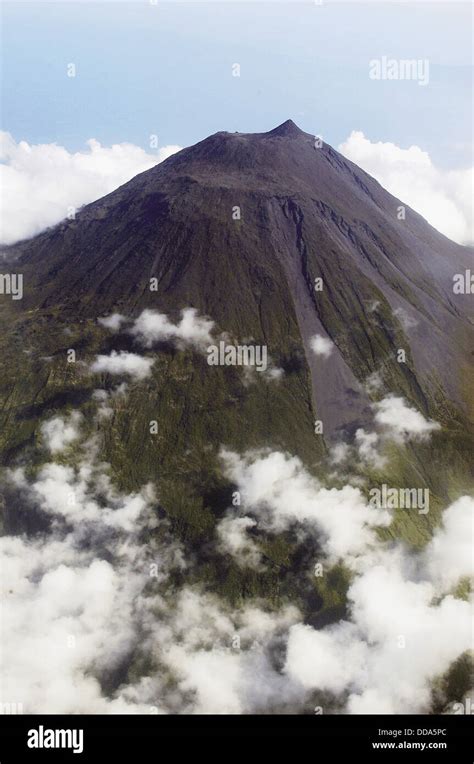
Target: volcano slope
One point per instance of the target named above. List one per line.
(276, 239)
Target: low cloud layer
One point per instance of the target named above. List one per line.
(71, 612)
(404, 627)
(443, 197)
(41, 182)
(91, 598)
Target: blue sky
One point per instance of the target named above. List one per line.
(166, 69)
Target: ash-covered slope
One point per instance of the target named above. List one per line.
(316, 247)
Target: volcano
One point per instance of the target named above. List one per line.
(278, 239)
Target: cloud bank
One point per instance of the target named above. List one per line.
(443, 197)
(41, 182)
(404, 627)
(93, 622)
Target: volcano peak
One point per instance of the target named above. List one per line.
(287, 129)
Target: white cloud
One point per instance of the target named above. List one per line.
(274, 373)
(123, 363)
(443, 197)
(401, 623)
(314, 659)
(321, 345)
(65, 492)
(113, 322)
(373, 383)
(220, 655)
(106, 399)
(395, 631)
(339, 453)
(395, 421)
(152, 326)
(234, 540)
(41, 182)
(73, 608)
(366, 443)
(448, 556)
(59, 432)
(80, 603)
(401, 420)
(280, 492)
(76, 608)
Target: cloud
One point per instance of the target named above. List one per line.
(401, 622)
(84, 601)
(395, 631)
(234, 540)
(374, 382)
(366, 443)
(196, 331)
(73, 605)
(65, 492)
(443, 197)
(339, 453)
(401, 420)
(41, 182)
(106, 399)
(95, 622)
(321, 345)
(59, 432)
(448, 556)
(274, 373)
(395, 421)
(113, 322)
(152, 326)
(280, 492)
(221, 656)
(123, 363)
